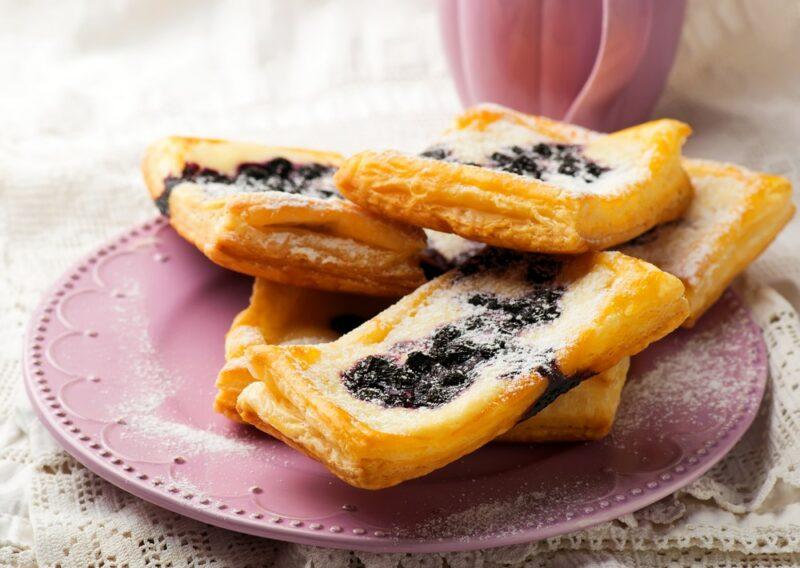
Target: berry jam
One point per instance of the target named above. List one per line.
(557, 384)
(437, 153)
(434, 263)
(278, 174)
(539, 268)
(435, 370)
(443, 154)
(540, 161)
(345, 323)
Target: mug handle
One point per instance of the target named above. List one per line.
(625, 34)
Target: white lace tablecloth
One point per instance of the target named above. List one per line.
(86, 85)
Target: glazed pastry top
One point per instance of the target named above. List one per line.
(529, 183)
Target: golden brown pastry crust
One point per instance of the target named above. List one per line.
(584, 413)
(280, 314)
(330, 244)
(613, 307)
(521, 212)
(735, 215)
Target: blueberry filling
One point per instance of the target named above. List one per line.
(541, 161)
(557, 384)
(517, 313)
(433, 371)
(191, 172)
(345, 323)
(445, 155)
(426, 379)
(539, 269)
(437, 153)
(278, 174)
(434, 263)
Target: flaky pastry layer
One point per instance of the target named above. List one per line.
(635, 181)
(584, 413)
(304, 240)
(279, 314)
(736, 213)
(608, 307)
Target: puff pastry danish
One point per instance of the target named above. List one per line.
(529, 183)
(734, 216)
(279, 314)
(275, 213)
(457, 362)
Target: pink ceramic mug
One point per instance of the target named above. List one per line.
(598, 63)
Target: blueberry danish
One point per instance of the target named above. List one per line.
(458, 362)
(279, 314)
(529, 183)
(275, 213)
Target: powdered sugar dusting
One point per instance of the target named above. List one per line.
(277, 199)
(685, 398)
(475, 146)
(150, 385)
(697, 380)
(704, 237)
(153, 382)
(181, 438)
(510, 515)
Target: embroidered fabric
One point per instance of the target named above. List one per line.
(69, 181)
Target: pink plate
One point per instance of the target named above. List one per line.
(120, 363)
